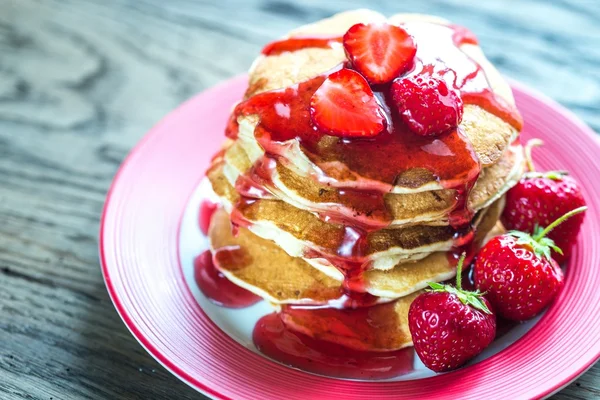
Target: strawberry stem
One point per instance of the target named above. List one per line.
(530, 145)
(472, 299)
(558, 222)
(459, 266)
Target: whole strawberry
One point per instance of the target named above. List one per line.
(450, 326)
(427, 105)
(541, 197)
(518, 273)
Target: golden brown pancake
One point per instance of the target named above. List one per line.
(429, 207)
(488, 134)
(404, 279)
(265, 269)
(386, 330)
(262, 267)
(298, 231)
(398, 279)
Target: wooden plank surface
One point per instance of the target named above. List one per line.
(81, 81)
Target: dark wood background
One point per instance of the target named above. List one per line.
(81, 81)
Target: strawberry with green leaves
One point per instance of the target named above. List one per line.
(517, 272)
(344, 106)
(449, 325)
(541, 197)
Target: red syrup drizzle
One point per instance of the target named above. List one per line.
(285, 115)
(252, 185)
(248, 187)
(207, 209)
(299, 43)
(280, 343)
(217, 288)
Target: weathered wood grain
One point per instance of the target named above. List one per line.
(81, 81)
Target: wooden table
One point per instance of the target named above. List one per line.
(81, 81)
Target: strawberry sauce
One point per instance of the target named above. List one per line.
(280, 343)
(394, 158)
(217, 288)
(207, 209)
(299, 43)
(386, 160)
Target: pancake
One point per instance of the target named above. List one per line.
(398, 279)
(488, 134)
(300, 232)
(262, 267)
(341, 234)
(386, 330)
(431, 207)
(402, 279)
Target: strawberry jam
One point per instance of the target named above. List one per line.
(299, 43)
(363, 171)
(280, 343)
(217, 288)
(395, 157)
(207, 209)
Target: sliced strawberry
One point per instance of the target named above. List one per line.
(345, 106)
(379, 51)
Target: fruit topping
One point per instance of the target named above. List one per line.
(344, 105)
(379, 51)
(449, 325)
(427, 105)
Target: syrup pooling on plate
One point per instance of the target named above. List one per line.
(274, 339)
(213, 284)
(217, 288)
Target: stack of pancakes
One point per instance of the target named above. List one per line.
(290, 222)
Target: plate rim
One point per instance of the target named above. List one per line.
(205, 388)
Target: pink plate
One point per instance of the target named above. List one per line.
(139, 250)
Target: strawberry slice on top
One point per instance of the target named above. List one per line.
(344, 106)
(379, 51)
